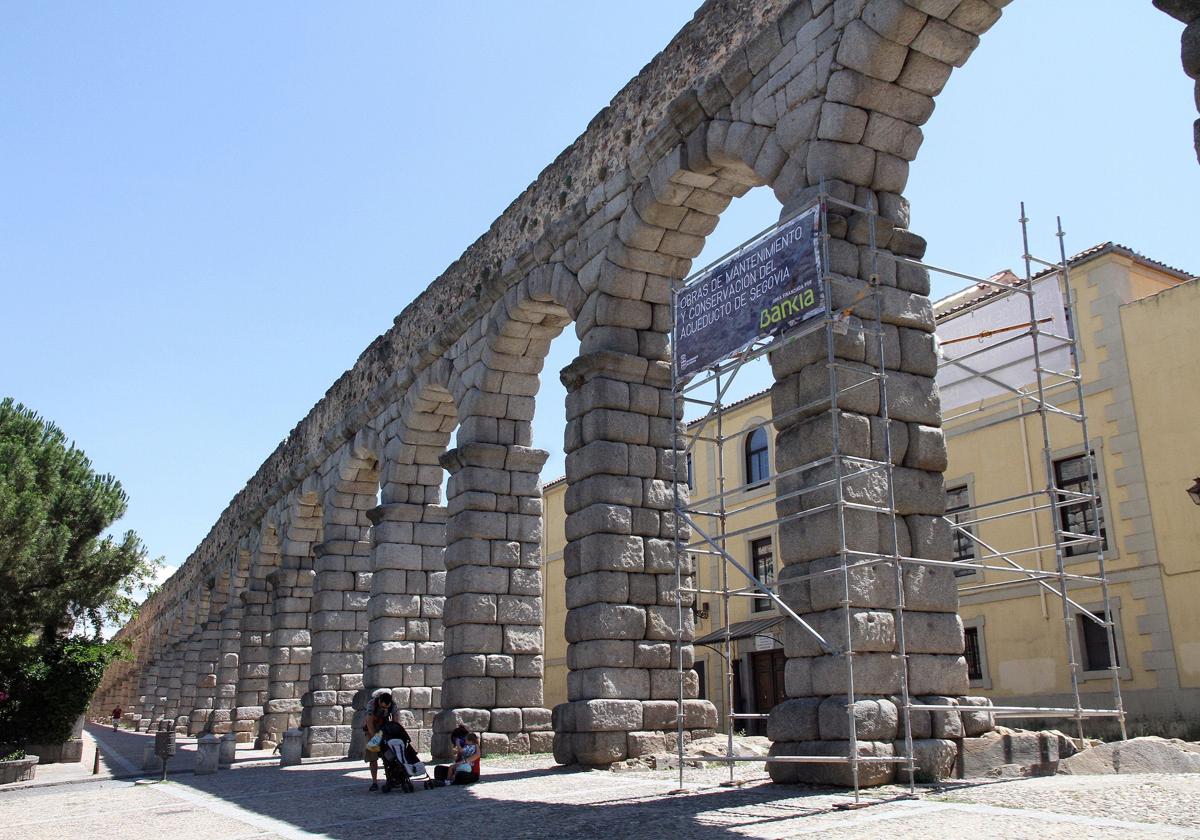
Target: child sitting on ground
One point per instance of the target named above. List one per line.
(466, 765)
(465, 769)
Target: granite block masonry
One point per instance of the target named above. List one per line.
(338, 569)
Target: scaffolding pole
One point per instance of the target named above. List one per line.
(708, 521)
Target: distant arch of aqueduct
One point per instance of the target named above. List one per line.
(338, 570)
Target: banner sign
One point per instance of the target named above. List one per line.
(766, 287)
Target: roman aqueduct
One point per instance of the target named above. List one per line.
(338, 569)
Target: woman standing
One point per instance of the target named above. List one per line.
(380, 710)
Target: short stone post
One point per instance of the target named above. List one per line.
(292, 748)
(208, 750)
(228, 750)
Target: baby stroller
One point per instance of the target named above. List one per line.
(400, 761)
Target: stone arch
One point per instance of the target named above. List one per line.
(121, 683)
(416, 431)
(146, 637)
(818, 97)
(622, 463)
(497, 362)
(149, 637)
(119, 690)
(494, 614)
(157, 644)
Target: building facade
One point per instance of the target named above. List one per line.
(1135, 324)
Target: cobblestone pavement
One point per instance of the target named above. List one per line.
(529, 797)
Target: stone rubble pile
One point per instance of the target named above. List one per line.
(1148, 754)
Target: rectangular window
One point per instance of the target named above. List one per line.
(958, 504)
(691, 481)
(1093, 642)
(762, 556)
(698, 667)
(974, 660)
(1078, 516)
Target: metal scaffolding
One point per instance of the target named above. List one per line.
(1052, 394)
(819, 486)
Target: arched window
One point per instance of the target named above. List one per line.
(758, 463)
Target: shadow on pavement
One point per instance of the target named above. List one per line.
(331, 799)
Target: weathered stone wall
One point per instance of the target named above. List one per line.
(357, 578)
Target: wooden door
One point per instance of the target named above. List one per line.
(768, 667)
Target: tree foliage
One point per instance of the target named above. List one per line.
(46, 684)
(55, 569)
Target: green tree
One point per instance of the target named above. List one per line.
(45, 684)
(56, 571)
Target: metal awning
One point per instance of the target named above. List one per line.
(742, 630)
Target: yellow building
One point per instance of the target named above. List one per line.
(1138, 342)
(1137, 385)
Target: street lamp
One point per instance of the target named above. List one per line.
(1194, 491)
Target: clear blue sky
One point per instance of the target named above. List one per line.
(207, 211)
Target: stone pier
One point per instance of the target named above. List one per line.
(341, 590)
(623, 621)
(493, 610)
(291, 639)
(815, 719)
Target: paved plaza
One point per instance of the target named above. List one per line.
(527, 796)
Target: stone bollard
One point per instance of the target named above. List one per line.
(292, 747)
(151, 763)
(228, 751)
(207, 754)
